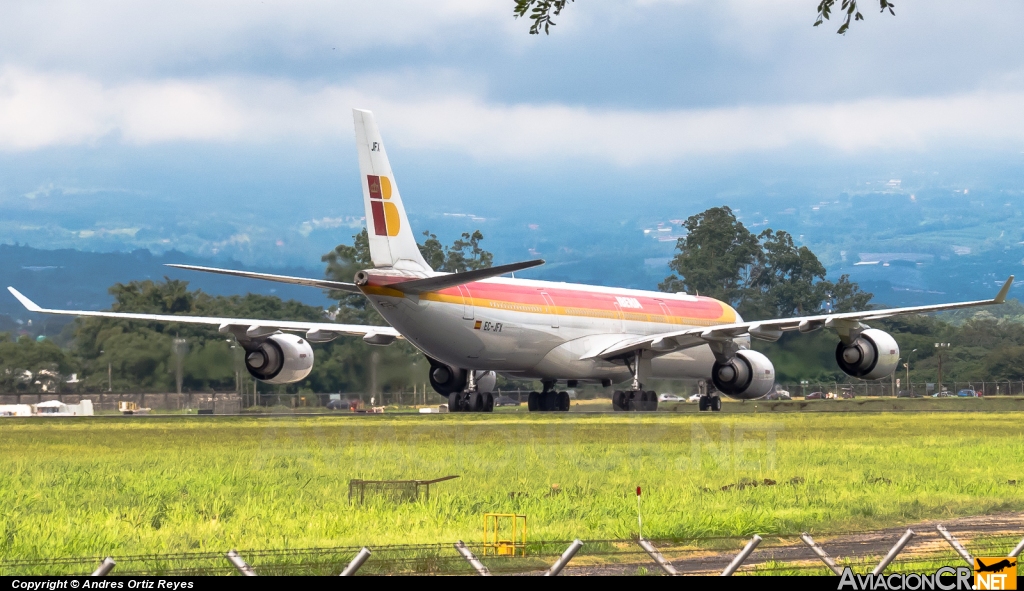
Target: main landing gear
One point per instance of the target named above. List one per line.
(549, 399)
(470, 402)
(636, 398)
(709, 398)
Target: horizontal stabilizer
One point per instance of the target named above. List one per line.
(321, 283)
(418, 286)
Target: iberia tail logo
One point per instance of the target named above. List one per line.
(386, 221)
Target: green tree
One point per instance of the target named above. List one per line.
(541, 12)
(785, 281)
(715, 257)
(764, 276)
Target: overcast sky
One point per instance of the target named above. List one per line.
(241, 109)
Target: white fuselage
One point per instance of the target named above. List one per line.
(541, 330)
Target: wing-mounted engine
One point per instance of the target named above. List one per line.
(445, 379)
(747, 375)
(279, 359)
(873, 354)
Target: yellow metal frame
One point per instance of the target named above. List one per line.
(513, 545)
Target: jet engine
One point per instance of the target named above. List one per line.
(279, 359)
(445, 379)
(873, 355)
(748, 375)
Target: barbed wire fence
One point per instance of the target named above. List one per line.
(789, 554)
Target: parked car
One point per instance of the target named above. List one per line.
(967, 393)
(907, 394)
(814, 396)
(778, 395)
(694, 398)
(670, 398)
(944, 394)
(506, 401)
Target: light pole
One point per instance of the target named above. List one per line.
(910, 387)
(940, 347)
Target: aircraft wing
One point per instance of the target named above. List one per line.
(242, 328)
(321, 283)
(771, 330)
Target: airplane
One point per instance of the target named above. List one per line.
(472, 326)
(996, 566)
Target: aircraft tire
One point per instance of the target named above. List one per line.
(652, 400)
(533, 404)
(704, 403)
(619, 400)
(716, 404)
(475, 402)
(488, 402)
(551, 400)
(564, 401)
(455, 402)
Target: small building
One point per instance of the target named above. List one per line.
(56, 408)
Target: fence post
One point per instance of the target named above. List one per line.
(900, 545)
(564, 558)
(104, 568)
(956, 545)
(744, 553)
(658, 558)
(821, 553)
(1017, 550)
(242, 566)
(357, 562)
(472, 560)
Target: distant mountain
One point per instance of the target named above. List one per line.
(76, 279)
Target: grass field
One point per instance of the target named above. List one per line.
(165, 484)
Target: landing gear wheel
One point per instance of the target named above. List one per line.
(455, 402)
(474, 402)
(551, 400)
(488, 402)
(533, 402)
(716, 403)
(635, 400)
(563, 401)
(619, 400)
(652, 400)
(704, 403)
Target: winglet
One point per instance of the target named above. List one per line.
(29, 304)
(1000, 297)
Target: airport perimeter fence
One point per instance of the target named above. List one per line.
(892, 387)
(795, 554)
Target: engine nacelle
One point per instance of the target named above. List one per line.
(748, 375)
(485, 380)
(873, 355)
(445, 379)
(280, 359)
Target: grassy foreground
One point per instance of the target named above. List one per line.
(154, 485)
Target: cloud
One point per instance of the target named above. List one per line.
(39, 110)
(114, 37)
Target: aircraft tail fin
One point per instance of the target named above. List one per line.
(392, 243)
